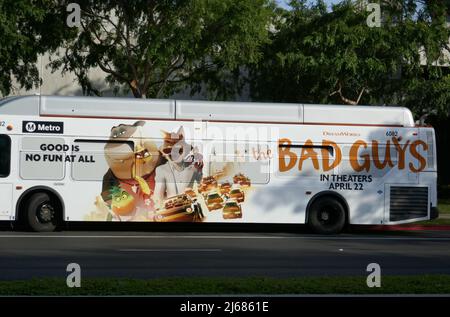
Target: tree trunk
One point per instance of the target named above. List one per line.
(134, 86)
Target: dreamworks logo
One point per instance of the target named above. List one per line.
(30, 126)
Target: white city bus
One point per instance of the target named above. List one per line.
(122, 160)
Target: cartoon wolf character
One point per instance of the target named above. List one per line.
(183, 167)
(132, 161)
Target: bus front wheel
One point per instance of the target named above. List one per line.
(326, 215)
(42, 212)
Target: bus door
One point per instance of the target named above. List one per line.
(5, 168)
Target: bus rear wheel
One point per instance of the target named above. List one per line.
(42, 212)
(326, 215)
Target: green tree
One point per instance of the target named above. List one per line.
(156, 48)
(321, 56)
(27, 29)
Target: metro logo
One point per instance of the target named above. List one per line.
(43, 127)
(359, 162)
(48, 128)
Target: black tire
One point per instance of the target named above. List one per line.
(42, 212)
(326, 215)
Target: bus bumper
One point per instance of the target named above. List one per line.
(434, 213)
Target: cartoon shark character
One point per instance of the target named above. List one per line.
(132, 161)
(182, 170)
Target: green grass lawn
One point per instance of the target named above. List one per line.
(423, 284)
(444, 206)
(444, 214)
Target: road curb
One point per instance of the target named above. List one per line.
(413, 228)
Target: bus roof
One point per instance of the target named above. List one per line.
(170, 109)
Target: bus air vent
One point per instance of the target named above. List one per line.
(408, 203)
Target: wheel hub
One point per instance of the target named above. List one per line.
(46, 213)
(324, 215)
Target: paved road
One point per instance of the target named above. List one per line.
(148, 255)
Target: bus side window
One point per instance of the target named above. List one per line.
(90, 164)
(378, 167)
(304, 160)
(224, 168)
(5, 155)
(42, 158)
(230, 158)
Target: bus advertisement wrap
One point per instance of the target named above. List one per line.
(114, 160)
(165, 180)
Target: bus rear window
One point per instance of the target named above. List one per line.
(5, 155)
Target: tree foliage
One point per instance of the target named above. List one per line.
(321, 56)
(27, 28)
(154, 48)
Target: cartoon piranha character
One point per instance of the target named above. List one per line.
(122, 203)
(132, 160)
(181, 171)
